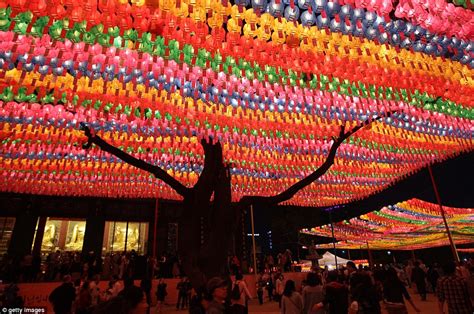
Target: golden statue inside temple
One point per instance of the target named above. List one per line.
(49, 237)
(77, 237)
(119, 238)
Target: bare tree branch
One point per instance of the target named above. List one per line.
(155, 170)
(292, 190)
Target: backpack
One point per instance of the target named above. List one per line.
(235, 294)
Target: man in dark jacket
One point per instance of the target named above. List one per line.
(62, 297)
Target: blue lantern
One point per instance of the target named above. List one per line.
(275, 9)
(308, 19)
(292, 14)
(332, 8)
(346, 10)
(358, 14)
(259, 5)
(319, 5)
(418, 46)
(27, 67)
(409, 29)
(370, 18)
(395, 39)
(371, 33)
(334, 25)
(430, 48)
(383, 38)
(322, 21)
(406, 43)
(419, 31)
(243, 3)
(304, 4)
(399, 26)
(350, 29)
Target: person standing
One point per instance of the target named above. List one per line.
(418, 276)
(189, 288)
(160, 294)
(453, 290)
(393, 292)
(240, 293)
(365, 298)
(63, 296)
(217, 289)
(145, 285)
(336, 295)
(288, 261)
(269, 262)
(291, 301)
(270, 287)
(84, 299)
(279, 288)
(182, 294)
(260, 286)
(433, 276)
(470, 284)
(95, 290)
(312, 294)
(408, 271)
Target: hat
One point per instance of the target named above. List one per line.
(214, 283)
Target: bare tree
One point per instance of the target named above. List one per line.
(202, 261)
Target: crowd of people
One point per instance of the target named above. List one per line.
(53, 266)
(84, 296)
(348, 289)
(354, 290)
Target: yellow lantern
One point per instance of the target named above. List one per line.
(181, 11)
(199, 14)
(233, 26)
(215, 21)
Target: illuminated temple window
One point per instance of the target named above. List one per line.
(125, 236)
(6, 228)
(63, 235)
(75, 235)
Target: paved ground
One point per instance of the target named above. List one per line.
(430, 306)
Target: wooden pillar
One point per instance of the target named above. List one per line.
(255, 271)
(94, 235)
(105, 241)
(39, 236)
(333, 239)
(23, 232)
(63, 234)
(155, 229)
(126, 236)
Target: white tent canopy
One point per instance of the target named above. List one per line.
(328, 259)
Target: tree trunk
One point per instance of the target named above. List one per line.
(202, 261)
